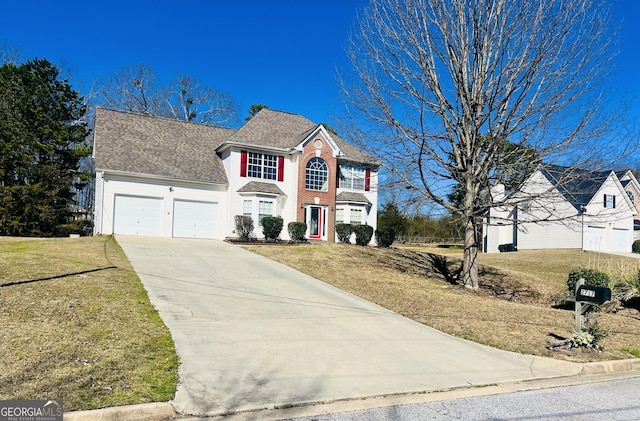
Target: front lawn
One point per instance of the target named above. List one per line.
(76, 324)
(514, 310)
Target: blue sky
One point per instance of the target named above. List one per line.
(283, 53)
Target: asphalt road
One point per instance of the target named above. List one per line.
(612, 401)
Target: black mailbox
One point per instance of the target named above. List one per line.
(591, 294)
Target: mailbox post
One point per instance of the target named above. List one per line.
(587, 296)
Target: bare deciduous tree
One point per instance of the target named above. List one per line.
(134, 89)
(440, 88)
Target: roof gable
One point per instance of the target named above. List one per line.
(580, 187)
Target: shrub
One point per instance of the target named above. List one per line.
(244, 227)
(591, 277)
(385, 237)
(297, 230)
(635, 247)
(344, 232)
(272, 227)
(363, 234)
(628, 288)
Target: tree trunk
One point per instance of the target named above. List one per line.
(470, 260)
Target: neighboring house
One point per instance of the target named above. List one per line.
(632, 187)
(559, 208)
(162, 177)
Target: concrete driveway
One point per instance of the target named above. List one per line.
(254, 334)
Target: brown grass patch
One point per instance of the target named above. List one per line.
(76, 324)
(512, 311)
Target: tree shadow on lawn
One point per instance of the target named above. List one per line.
(50, 278)
(493, 281)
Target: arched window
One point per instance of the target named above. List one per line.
(317, 175)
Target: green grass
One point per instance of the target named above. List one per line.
(77, 325)
(633, 351)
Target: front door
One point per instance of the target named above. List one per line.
(316, 222)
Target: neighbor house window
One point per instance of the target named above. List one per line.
(265, 208)
(355, 216)
(339, 215)
(352, 177)
(609, 201)
(633, 199)
(317, 175)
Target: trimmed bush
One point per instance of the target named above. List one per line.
(385, 237)
(591, 277)
(363, 234)
(244, 227)
(297, 230)
(344, 232)
(635, 247)
(272, 227)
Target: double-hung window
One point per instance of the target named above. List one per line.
(352, 177)
(609, 201)
(265, 208)
(355, 216)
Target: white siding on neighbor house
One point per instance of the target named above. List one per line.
(616, 224)
(112, 185)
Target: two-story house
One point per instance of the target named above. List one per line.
(564, 208)
(162, 177)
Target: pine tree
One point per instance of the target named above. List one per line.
(42, 141)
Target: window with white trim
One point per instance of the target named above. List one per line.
(317, 175)
(609, 201)
(247, 208)
(352, 177)
(339, 215)
(265, 208)
(355, 216)
(262, 165)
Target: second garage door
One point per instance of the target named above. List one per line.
(194, 219)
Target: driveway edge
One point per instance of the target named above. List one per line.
(164, 411)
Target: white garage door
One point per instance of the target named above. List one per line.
(595, 239)
(194, 219)
(137, 215)
(621, 240)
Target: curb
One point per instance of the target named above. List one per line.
(157, 411)
(164, 411)
(615, 366)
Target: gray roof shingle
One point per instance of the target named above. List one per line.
(278, 129)
(261, 187)
(148, 145)
(158, 146)
(576, 185)
(352, 197)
